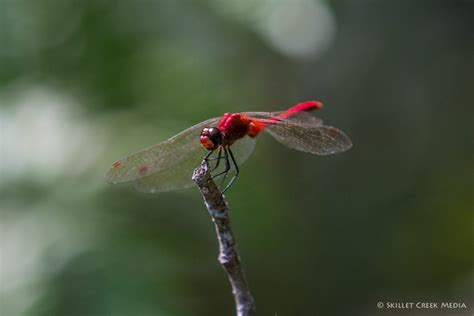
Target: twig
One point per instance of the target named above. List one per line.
(228, 256)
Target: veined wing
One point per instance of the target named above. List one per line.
(168, 154)
(178, 176)
(169, 165)
(319, 140)
(303, 132)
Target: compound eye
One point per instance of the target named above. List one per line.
(215, 135)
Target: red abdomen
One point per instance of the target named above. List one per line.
(235, 126)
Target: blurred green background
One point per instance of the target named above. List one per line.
(83, 83)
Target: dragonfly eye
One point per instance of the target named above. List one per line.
(211, 138)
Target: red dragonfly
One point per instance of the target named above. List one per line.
(168, 165)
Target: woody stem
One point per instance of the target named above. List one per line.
(228, 255)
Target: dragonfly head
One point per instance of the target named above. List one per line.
(211, 138)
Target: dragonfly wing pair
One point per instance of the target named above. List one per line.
(168, 166)
(304, 132)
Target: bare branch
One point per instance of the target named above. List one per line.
(228, 256)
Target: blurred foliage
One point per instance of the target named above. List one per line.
(83, 83)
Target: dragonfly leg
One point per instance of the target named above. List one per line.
(236, 171)
(206, 158)
(227, 166)
(219, 157)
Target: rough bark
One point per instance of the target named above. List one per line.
(228, 255)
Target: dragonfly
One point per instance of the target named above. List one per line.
(229, 139)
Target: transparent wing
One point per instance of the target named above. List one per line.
(178, 176)
(304, 132)
(169, 165)
(320, 140)
(170, 154)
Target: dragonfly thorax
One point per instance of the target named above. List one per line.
(211, 138)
